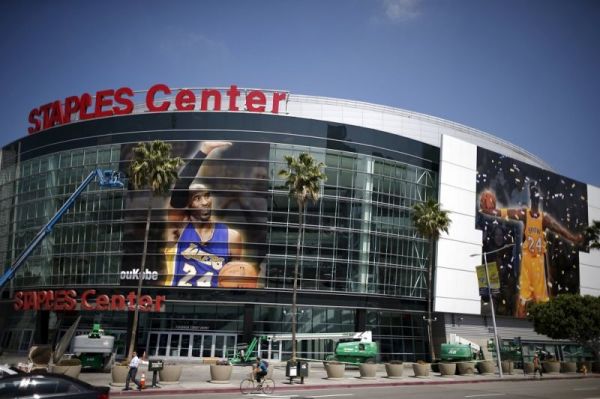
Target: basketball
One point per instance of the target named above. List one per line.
(487, 200)
(238, 274)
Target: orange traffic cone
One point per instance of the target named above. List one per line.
(143, 381)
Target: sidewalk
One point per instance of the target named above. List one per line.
(195, 379)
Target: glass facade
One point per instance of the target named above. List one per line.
(359, 236)
(85, 247)
(359, 242)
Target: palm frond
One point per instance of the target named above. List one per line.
(303, 177)
(153, 167)
(430, 220)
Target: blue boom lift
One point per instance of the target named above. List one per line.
(106, 178)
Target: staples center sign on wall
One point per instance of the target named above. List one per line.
(159, 98)
(68, 300)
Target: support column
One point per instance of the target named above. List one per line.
(360, 321)
(40, 336)
(248, 332)
(365, 166)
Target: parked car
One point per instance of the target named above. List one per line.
(48, 385)
(6, 370)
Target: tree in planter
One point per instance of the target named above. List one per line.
(154, 168)
(572, 317)
(303, 178)
(430, 220)
(592, 235)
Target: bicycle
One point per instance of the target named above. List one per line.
(249, 385)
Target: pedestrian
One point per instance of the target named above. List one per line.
(537, 366)
(133, 367)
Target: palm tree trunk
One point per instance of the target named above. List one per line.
(134, 327)
(430, 301)
(295, 289)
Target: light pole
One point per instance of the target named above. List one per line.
(489, 287)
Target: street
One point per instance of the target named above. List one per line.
(573, 389)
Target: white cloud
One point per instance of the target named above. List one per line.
(178, 42)
(401, 10)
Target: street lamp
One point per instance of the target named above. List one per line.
(489, 287)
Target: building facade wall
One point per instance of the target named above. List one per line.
(589, 263)
(456, 288)
(363, 265)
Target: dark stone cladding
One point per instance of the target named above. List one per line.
(173, 126)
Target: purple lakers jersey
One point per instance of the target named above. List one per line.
(197, 263)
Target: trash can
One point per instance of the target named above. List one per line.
(291, 369)
(155, 365)
(302, 370)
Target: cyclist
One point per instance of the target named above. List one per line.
(257, 381)
(260, 369)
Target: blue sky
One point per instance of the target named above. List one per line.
(527, 71)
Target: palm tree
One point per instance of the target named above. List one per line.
(152, 167)
(303, 181)
(430, 221)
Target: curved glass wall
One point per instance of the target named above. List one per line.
(85, 246)
(359, 237)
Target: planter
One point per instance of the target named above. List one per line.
(568, 367)
(170, 374)
(447, 369)
(335, 370)
(584, 366)
(118, 375)
(528, 367)
(71, 371)
(421, 370)
(486, 367)
(551, 367)
(394, 370)
(368, 371)
(466, 368)
(220, 374)
(508, 367)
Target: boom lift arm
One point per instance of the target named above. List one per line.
(106, 178)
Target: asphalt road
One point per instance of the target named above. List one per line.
(534, 389)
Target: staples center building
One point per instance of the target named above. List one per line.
(222, 244)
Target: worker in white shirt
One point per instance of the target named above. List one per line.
(133, 367)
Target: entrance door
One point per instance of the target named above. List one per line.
(159, 344)
(219, 345)
(207, 346)
(196, 345)
(190, 345)
(184, 346)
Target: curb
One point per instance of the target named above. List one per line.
(297, 387)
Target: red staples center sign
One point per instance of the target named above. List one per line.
(159, 98)
(67, 300)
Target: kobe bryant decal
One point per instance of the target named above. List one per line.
(531, 221)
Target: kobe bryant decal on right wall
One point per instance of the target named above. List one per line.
(531, 221)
